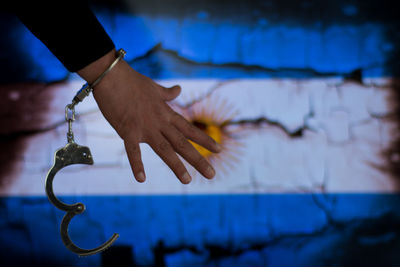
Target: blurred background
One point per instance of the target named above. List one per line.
(302, 95)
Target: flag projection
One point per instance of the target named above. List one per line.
(302, 95)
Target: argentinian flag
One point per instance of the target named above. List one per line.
(303, 107)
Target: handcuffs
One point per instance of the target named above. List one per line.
(70, 154)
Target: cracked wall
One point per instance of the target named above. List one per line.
(307, 106)
(319, 135)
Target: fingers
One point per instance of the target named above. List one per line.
(135, 159)
(186, 150)
(163, 148)
(195, 134)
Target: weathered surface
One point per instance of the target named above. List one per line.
(312, 127)
(337, 147)
(327, 140)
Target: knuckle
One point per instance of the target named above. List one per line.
(163, 146)
(176, 166)
(159, 111)
(182, 143)
(136, 158)
(138, 166)
(134, 149)
(190, 127)
(202, 162)
(146, 137)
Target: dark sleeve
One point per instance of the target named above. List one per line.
(68, 28)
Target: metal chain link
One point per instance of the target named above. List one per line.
(82, 93)
(70, 117)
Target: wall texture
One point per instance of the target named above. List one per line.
(308, 95)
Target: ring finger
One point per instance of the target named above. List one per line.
(163, 148)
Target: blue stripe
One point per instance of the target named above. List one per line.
(229, 230)
(202, 47)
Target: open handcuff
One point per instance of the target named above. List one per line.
(70, 154)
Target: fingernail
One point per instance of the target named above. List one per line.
(186, 178)
(141, 176)
(210, 171)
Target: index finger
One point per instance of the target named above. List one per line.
(195, 134)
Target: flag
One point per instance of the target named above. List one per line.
(300, 96)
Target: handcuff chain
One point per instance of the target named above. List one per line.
(70, 117)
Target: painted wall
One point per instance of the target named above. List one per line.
(309, 174)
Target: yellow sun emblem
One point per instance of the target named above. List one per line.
(214, 117)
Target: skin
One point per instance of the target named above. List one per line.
(136, 108)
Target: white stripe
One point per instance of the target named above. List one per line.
(336, 154)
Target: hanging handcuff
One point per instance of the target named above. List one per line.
(70, 154)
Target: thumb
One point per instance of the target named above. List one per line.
(170, 93)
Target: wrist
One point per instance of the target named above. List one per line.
(92, 71)
(89, 72)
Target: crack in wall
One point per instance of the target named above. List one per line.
(352, 75)
(374, 229)
(298, 133)
(258, 122)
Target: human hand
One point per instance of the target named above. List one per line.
(136, 108)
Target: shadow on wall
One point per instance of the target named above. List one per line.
(392, 153)
(24, 109)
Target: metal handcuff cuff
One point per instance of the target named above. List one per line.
(70, 154)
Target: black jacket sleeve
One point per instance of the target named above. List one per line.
(68, 28)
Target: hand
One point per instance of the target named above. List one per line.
(135, 107)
